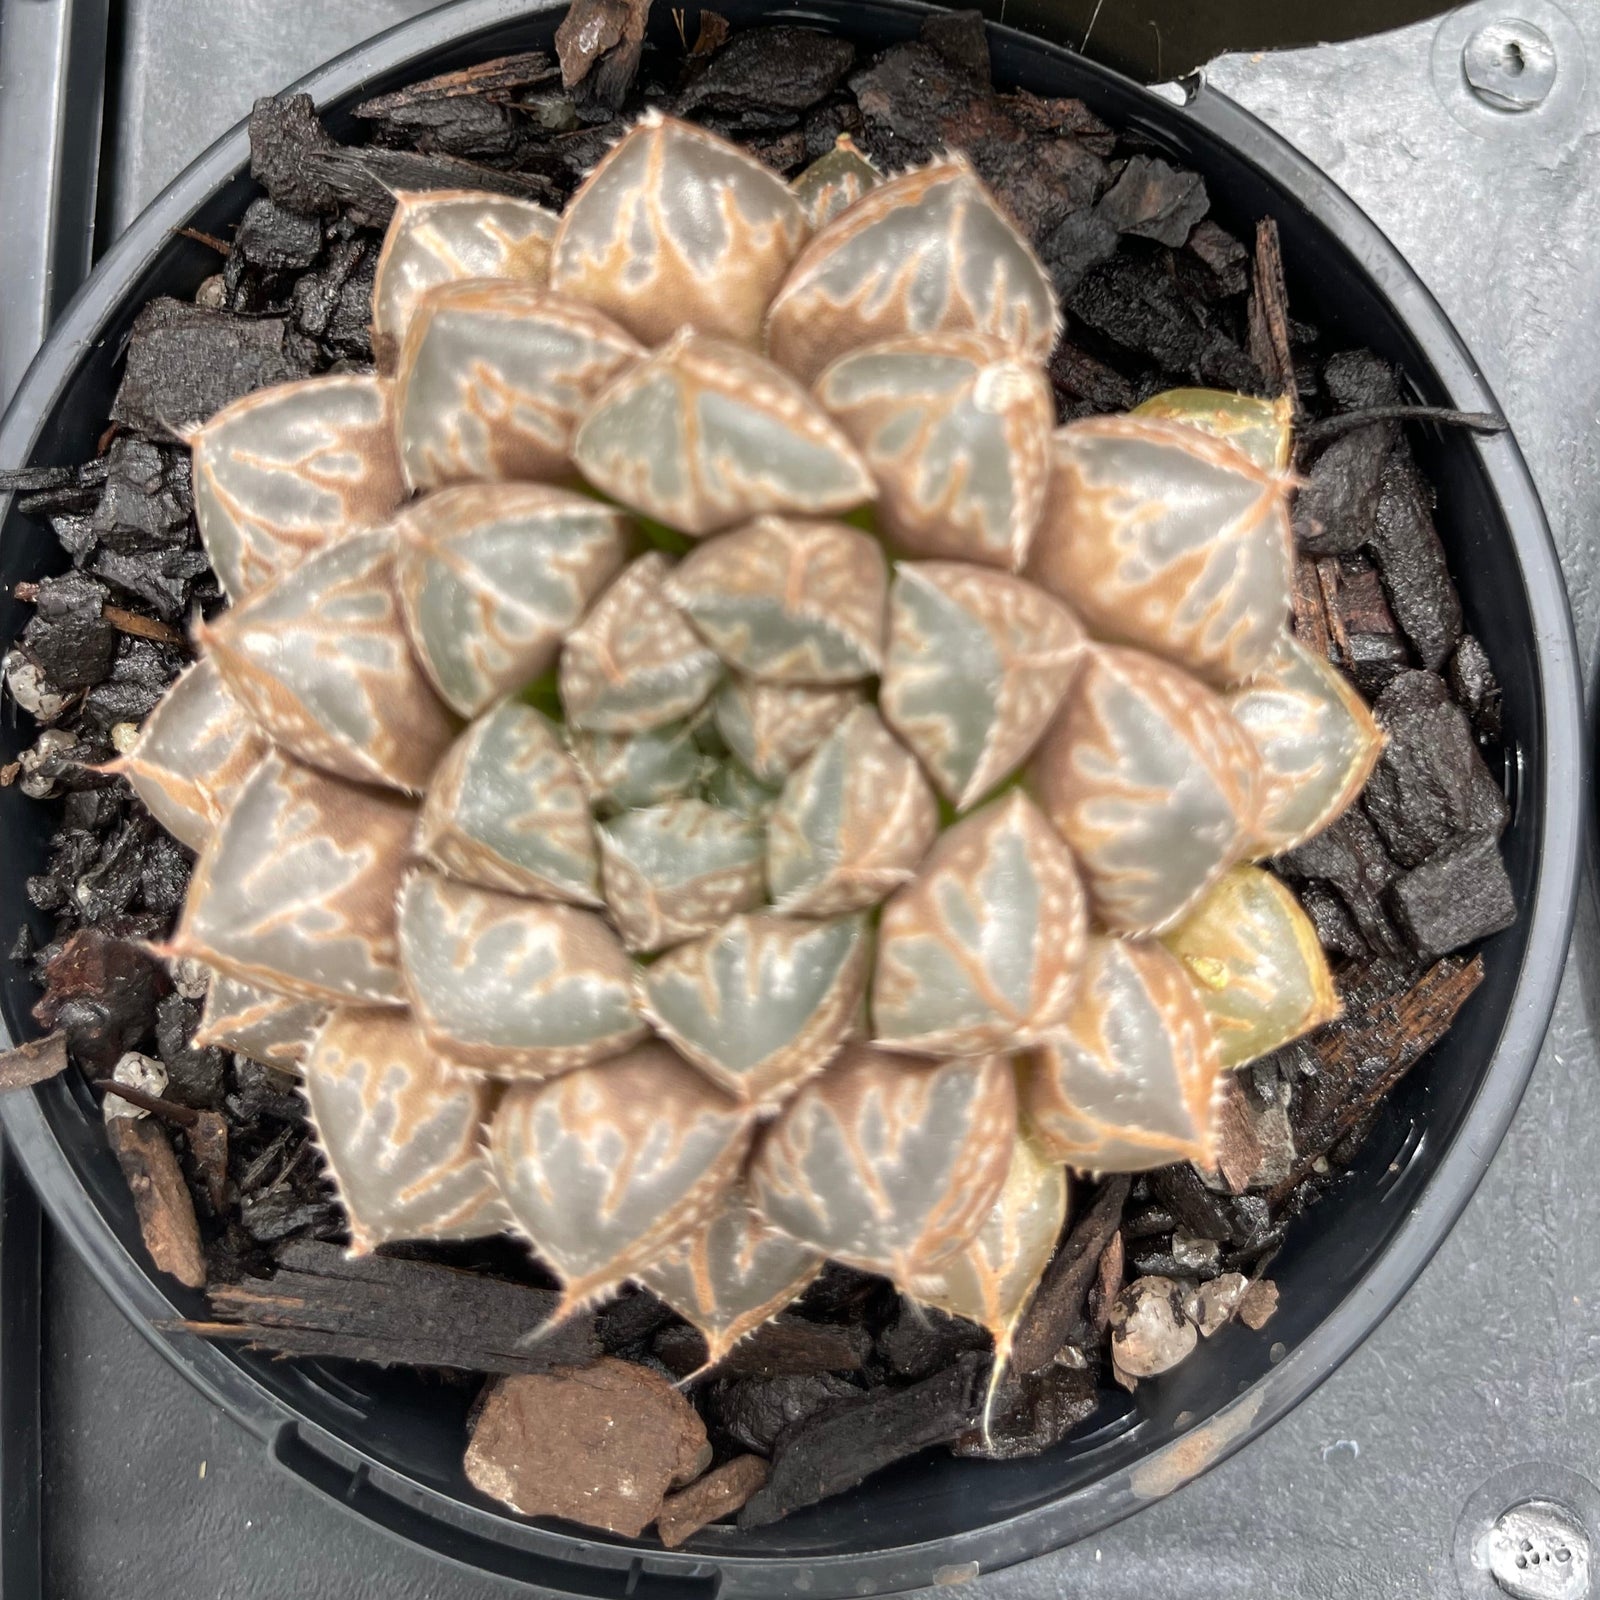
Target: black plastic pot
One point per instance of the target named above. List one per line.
(388, 1446)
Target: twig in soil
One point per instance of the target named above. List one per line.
(209, 240)
(396, 1312)
(160, 1197)
(34, 1062)
(1319, 432)
(123, 621)
(1269, 315)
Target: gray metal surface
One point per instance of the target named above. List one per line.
(52, 79)
(1483, 1388)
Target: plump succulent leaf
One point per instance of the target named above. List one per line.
(735, 788)
(888, 1162)
(1162, 537)
(624, 770)
(1152, 782)
(606, 1167)
(296, 890)
(993, 1278)
(956, 429)
(507, 809)
(676, 227)
(773, 727)
(788, 600)
(982, 951)
(493, 379)
(634, 663)
(195, 749)
(1131, 1080)
(927, 252)
(286, 471)
(977, 663)
(492, 576)
(513, 988)
(706, 434)
(1260, 430)
(445, 235)
(1256, 963)
(675, 871)
(834, 182)
(854, 819)
(319, 660)
(1317, 740)
(401, 1135)
(274, 1029)
(731, 1274)
(761, 1004)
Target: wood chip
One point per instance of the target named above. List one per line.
(1362, 1056)
(160, 1197)
(717, 1495)
(601, 1445)
(1258, 1303)
(36, 1061)
(607, 35)
(1239, 1149)
(493, 80)
(1310, 614)
(1058, 1304)
(1328, 581)
(1107, 1286)
(837, 1449)
(395, 1311)
(1269, 315)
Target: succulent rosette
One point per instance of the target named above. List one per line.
(700, 771)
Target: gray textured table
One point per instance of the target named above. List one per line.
(1490, 1368)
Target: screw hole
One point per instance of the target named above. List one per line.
(1515, 61)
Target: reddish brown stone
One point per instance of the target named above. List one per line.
(714, 1496)
(599, 1445)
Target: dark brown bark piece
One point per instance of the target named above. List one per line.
(1457, 896)
(397, 1312)
(764, 77)
(101, 993)
(186, 361)
(786, 1345)
(752, 1412)
(1058, 1303)
(366, 179)
(601, 1445)
(160, 1197)
(1106, 1287)
(719, 1494)
(284, 136)
(921, 1341)
(839, 1449)
(1431, 789)
(1032, 1413)
(495, 79)
(1359, 1059)
(962, 38)
(1410, 558)
(1349, 855)
(1154, 200)
(1269, 315)
(1474, 684)
(36, 1061)
(599, 44)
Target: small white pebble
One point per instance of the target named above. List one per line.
(213, 293)
(138, 1072)
(191, 978)
(125, 735)
(26, 684)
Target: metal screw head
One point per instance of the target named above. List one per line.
(1539, 1551)
(1510, 64)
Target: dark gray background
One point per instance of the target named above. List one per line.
(1490, 1366)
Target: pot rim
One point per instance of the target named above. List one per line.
(481, 1538)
